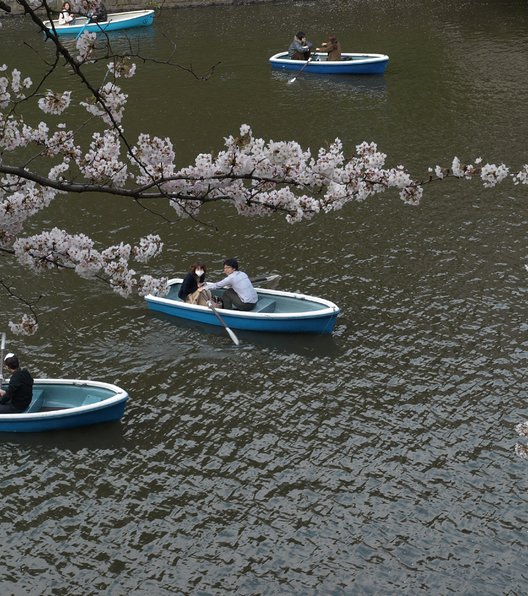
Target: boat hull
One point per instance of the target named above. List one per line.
(115, 22)
(305, 314)
(350, 63)
(60, 404)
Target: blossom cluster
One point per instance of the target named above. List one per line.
(56, 249)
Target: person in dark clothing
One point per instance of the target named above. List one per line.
(300, 48)
(191, 282)
(100, 14)
(17, 397)
(94, 11)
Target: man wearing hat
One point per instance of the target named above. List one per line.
(17, 397)
(241, 294)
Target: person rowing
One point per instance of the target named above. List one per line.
(240, 294)
(300, 48)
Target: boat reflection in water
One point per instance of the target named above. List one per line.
(302, 344)
(374, 86)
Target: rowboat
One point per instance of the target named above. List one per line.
(350, 63)
(67, 403)
(276, 311)
(114, 22)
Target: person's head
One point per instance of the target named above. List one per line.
(230, 265)
(333, 38)
(198, 268)
(300, 35)
(11, 361)
(66, 6)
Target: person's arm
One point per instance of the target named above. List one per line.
(297, 46)
(11, 388)
(227, 281)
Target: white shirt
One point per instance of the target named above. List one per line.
(65, 18)
(241, 283)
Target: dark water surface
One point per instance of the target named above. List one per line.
(376, 461)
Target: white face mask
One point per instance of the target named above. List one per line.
(199, 272)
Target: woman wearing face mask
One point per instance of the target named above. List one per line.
(191, 282)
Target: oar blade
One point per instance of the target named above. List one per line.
(231, 334)
(267, 279)
(235, 339)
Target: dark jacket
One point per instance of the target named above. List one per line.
(190, 284)
(20, 390)
(99, 14)
(333, 47)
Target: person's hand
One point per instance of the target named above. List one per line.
(2, 393)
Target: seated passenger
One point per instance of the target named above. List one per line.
(332, 47)
(66, 15)
(17, 397)
(189, 290)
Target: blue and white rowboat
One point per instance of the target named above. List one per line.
(276, 311)
(350, 63)
(67, 403)
(114, 22)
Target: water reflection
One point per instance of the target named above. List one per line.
(109, 435)
(127, 41)
(302, 344)
(370, 85)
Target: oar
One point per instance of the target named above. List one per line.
(267, 279)
(229, 331)
(84, 27)
(307, 61)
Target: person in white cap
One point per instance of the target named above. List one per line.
(17, 397)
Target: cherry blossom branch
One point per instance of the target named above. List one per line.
(28, 324)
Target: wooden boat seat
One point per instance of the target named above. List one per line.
(265, 305)
(36, 401)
